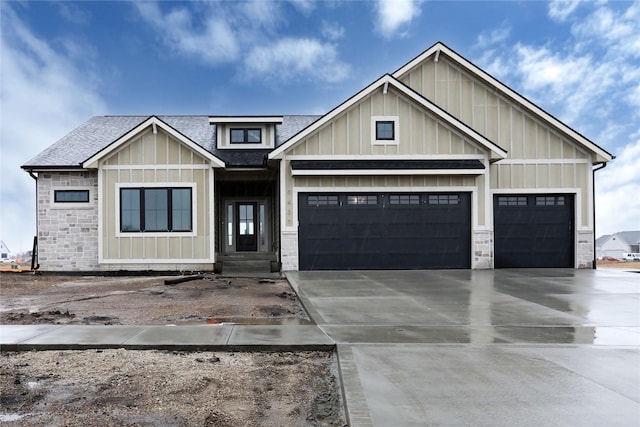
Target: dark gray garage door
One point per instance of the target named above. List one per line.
(377, 231)
(533, 230)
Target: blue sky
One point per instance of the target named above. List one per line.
(63, 62)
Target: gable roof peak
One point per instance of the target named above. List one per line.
(602, 156)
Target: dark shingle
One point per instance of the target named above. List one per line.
(98, 132)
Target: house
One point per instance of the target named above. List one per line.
(5, 253)
(436, 165)
(617, 244)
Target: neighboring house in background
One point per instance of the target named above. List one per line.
(618, 244)
(5, 253)
(438, 165)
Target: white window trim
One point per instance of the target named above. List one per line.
(194, 209)
(396, 130)
(224, 142)
(73, 205)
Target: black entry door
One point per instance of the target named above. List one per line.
(382, 231)
(246, 230)
(534, 230)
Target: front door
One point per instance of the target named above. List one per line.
(246, 229)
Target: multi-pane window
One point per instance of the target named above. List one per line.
(385, 130)
(404, 199)
(363, 200)
(246, 136)
(155, 210)
(71, 196)
(322, 200)
(444, 199)
(549, 200)
(512, 201)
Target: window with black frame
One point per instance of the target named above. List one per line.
(71, 196)
(156, 210)
(246, 135)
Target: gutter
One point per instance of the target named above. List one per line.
(34, 252)
(602, 166)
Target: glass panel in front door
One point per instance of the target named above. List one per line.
(246, 217)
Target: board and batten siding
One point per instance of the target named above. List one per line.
(420, 136)
(156, 160)
(540, 158)
(419, 131)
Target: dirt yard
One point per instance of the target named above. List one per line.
(160, 388)
(31, 299)
(618, 264)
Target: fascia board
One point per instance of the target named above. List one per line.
(246, 119)
(385, 172)
(278, 153)
(92, 162)
(499, 152)
(483, 75)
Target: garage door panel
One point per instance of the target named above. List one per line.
(533, 231)
(385, 235)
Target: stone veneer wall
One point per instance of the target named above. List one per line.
(289, 251)
(482, 250)
(67, 233)
(584, 249)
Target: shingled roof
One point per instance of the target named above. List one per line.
(98, 132)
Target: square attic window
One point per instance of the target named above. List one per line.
(385, 130)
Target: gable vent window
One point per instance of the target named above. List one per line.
(384, 130)
(71, 196)
(246, 136)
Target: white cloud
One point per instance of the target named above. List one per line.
(542, 68)
(619, 30)
(332, 30)
(617, 190)
(221, 31)
(214, 42)
(289, 58)
(392, 15)
(43, 95)
(304, 6)
(560, 10)
(491, 38)
(73, 13)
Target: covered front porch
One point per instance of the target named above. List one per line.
(247, 228)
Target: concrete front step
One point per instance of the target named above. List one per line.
(243, 263)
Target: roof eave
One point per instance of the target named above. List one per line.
(93, 161)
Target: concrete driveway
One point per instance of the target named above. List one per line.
(483, 348)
